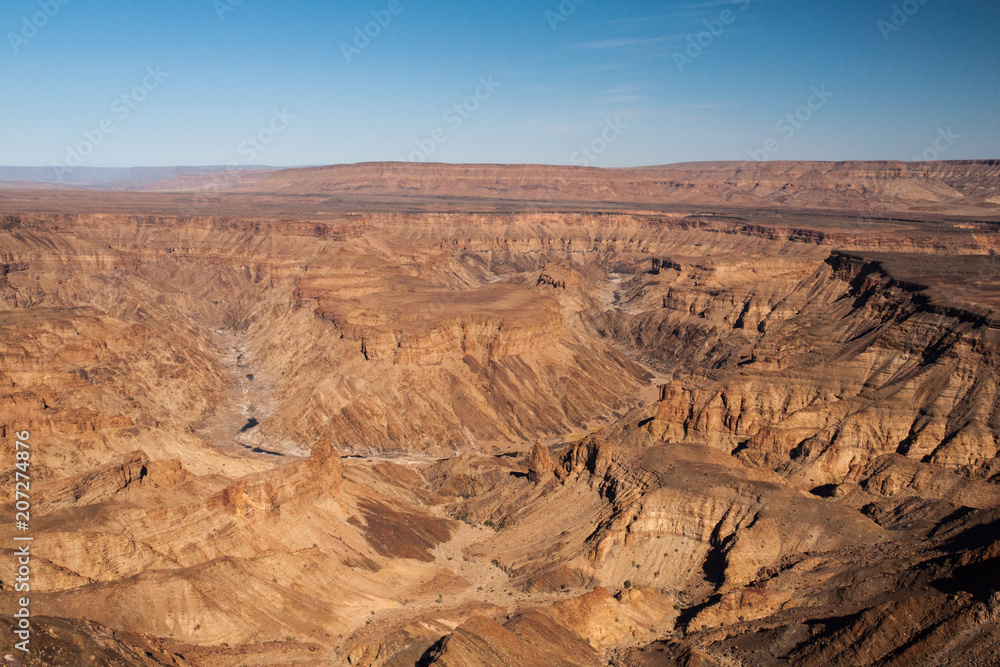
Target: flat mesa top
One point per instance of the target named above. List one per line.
(923, 191)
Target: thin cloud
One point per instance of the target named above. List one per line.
(620, 99)
(582, 69)
(709, 9)
(711, 4)
(707, 105)
(629, 42)
(694, 10)
(700, 111)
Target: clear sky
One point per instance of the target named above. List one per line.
(298, 82)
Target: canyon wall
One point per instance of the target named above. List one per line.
(396, 437)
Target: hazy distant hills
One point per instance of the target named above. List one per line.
(969, 187)
(960, 187)
(109, 178)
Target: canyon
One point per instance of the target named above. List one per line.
(427, 414)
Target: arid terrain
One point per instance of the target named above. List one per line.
(397, 414)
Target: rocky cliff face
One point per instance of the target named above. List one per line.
(612, 436)
(850, 364)
(388, 322)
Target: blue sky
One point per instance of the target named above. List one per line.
(602, 83)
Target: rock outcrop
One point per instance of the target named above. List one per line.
(540, 465)
(325, 462)
(94, 487)
(533, 640)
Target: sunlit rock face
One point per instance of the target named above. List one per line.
(401, 414)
